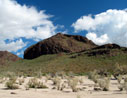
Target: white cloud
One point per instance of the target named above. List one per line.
(106, 27)
(12, 46)
(18, 21)
(103, 39)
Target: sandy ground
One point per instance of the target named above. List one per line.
(66, 93)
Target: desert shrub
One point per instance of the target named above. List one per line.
(71, 74)
(48, 76)
(63, 85)
(11, 74)
(39, 74)
(81, 80)
(11, 84)
(101, 80)
(104, 84)
(104, 72)
(58, 84)
(21, 81)
(34, 83)
(56, 80)
(118, 70)
(125, 84)
(2, 80)
(27, 87)
(93, 76)
(73, 82)
(125, 79)
(96, 87)
(62, 74)
(119, 79)
(121, 86)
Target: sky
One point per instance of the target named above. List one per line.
(26, 22)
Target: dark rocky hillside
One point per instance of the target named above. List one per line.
(108, 46)
(105, 50)
(6, 57)
(57, 44)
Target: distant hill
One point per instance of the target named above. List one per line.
(58, 44)
(6, 57)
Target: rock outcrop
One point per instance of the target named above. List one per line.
(108, 46)
(57, 44)
(107, 49)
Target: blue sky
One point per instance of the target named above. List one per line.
(68, 11)
(102, 21)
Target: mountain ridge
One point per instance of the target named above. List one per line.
(57, 44)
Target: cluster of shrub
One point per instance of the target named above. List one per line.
(62, 80)
(102, 79)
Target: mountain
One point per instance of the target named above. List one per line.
(67, 53)
(6, 57)
(57, 44)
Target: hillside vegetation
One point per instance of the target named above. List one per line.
(80, 63)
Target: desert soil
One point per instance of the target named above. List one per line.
(88, 92)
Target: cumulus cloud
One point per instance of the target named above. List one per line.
(106, 27)
(21, 21)
(99, 40)
(12, 46)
